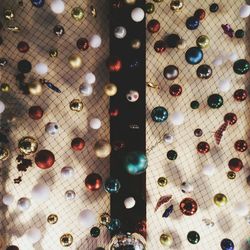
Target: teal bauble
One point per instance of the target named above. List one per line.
(194, 55)
(159, 114)
(215, 101)
(114, 225)
(241, 66)
(112, 186)
(193, 237)
(135, 163)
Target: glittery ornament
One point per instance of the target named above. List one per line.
(76, 105)
(241, 66)
(203, 147)
(240, 145)
(166, 240)
(44, 159)
(66, 240)
(162, 181)
(188, 206)
(235, 164)
(27, 145)
(240, 95)
(194, 55)
(52, 219)
(215, 101)
(159, 114)
(193, 237)
(93, 182)
(220, 200)
(82, 44)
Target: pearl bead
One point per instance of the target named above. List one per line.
(95, 41)
(41, 69)
(8, 199)
(33, 235)
(129, 202)
(23, 204)
(95, 123)
(57, 6)
(87, 218)
(120, 32)
(67, 172)
(137, 14)
(89, 78)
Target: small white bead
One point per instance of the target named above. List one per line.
(137, 14)
(225, 85)
(241, 209)
(23, 204)
(57, 6)
(33, 235)
(177, 118)
(40, 192)
(89, 78)
(95, 123)
(67, 172)
(129, 202)
(95, 41)
(168, 138)
(41, 69)
(244, 11)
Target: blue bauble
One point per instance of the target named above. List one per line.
(227, 244)
(114, 225)
(135, 163)
(194, 55)
(192, 23)
(38, 3)
(112, 186)
(159, 114)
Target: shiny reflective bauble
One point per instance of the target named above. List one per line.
(240, 145)
(59, 30)
(27, 145)
(135, 163)
(52, 219)
(227, 244)
(112, 186)
(150, 8)
(67, 172)
(162, 181)
(53, 53)
(35, 88)
(75, 61)
(102, 149)
(186, 187)
(135, 44)
(198, 132)
(70, 195)
(104, 219)
(200, 14)
(203, 147)
(172, 40)
(159, 46)
(114, 64)
(4, 87)
(175, 90)
(193, 237)
(8, 14)
(93, 182)
(95, 232)
(192, 23)
(194, 104)
(110, 89)
(76, 105)
(23, 47)
(120, 32)
(44, 159)
(230, 118)
(194, 55)
(23, 204)
(82, 44)
(132, 96)
(38, 3)
(159, 114)
(220, 200)
(239, 33)
(176, 5)
(77, 144)
(214, 7)
(66, 240)
(188, 206)
(166, 240)
(4, 153)
(202, 42)
(241, 66)
(77, 13)
(137, 14)
(204, 71)
(215, 101)
(171, 72)
(24, 66)
(231, 175)
(235, 164)
(240, 95)
(172, 155)
(51, 128)
(153, 26)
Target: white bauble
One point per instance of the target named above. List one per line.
(177, 118)
(241, 209)
(33, 235)
(129, 202)
(225, 85)
(40, 192)
(23, 204)
(87, 218)
(52, 128)
(187, 187)
(95, 123)
(41, 69)
(2, 107)
(137, 14)
(244, 11)
(67, 172)
(120, 32)
(168, 138)
(95, 41)
(86, 89)
(57, 6)
(8, 199)
(89, 78)
(208, 169)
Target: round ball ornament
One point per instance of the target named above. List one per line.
(231, 175)
(137, 14)
(202, 42)
(241, 66)
(172, 40)
(104, 219)
(95, 123)
(120, 32)
(69, 195)
(241, 208)
(162, 181)
(24, 66)
(192, 23)
(93, 182)
(95, 232)
(27, 145)
(186, 187)
(53, 53)
(194, 55)
(194, 104)
(240, 145)
(40, 192)
(23, 47)
(35, 88)
(176, 5)
(244, 11)
(75, 61)
(129, 202)
(172, 155)
(57, 6)
(23, 204)
(4, 153)
(203, 147)
(135, 44)
(66, 240)
(112, 186)
(12, 247)
(87, 218)
(132, 96)
(220, 200)
(8, 199)
(95, 41)
(150, 8)
(102, 149)
(77, 144)
(215, 101)
(230, 118)
(235, 164)
(77, 13)
(82, 44)
(59, 30)
(200, 14)
(204, 71)
(159, 114)
(67, 172)
(240, 95)
(33, 235)
(239, 33)
(76, 105)
(198, 132)
(175, 90)
(110, 89)
(44, 159)
(188, 206)
(171, 72)
(193, 237)
(52, 219)
(153, 26)
(227, 244)
(38, 3)
(159, 46)
(166, 240)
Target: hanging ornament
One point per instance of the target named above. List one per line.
(57, 6)
(172, 40)
(150, 8)
(95, 232)
(137, 14)
(51, 128)
(202, 42)
(187, 187)
(214, 7)
(104, 219)
(120, 32)
(188, 206)
(44, 159)
(69, 195)
(129, 202)
(23, 47)
(87, 218)
(162, 181)
(231, 175)
(172, 155)
(23, 204)
(53, 53)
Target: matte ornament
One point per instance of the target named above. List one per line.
(166, 240)
(235, 164)
(240, 145)
(27, 145)
(44, 159)
(227, 244)
(77, 144)
(76, 105)
(171, 72)
(95, 232)
(215, 101)
(112, 186)
(176, 5)
(77, 13)
(135, 163)
(168, 211)
(220, 200)
(38, 3)
(159, 114)
(194, 55)
(240, 95)
(159, 46)
(172, 155)
(66, 240)
(192, 23)
(241, 67)
(52, 219)
(193, 237)
(82, 44)
(202, 42)
(175, 90)
(153, 26)
(93, 182)
(203, 147)
(188, 206)
(204, 71)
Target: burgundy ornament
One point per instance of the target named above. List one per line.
(198, 132)
(175, 90)
(82, 44)
(240, 95)
(230, 118)
(200, 14)
(188, 206)
(235, 164)
(240, 145)
(114, 64)
(93, 182)
(153, 26)
(159, 46)
(203, 147)
(35, 112)
(44, 159)
(23, 47)
(77, 144)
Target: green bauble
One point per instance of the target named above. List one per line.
(150, 8)
(215, 101)
(194, 104)
(135, 163)
(193, 237)
(241, 67)
(95, 232)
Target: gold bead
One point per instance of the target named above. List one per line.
(131, 2)
(153, 85)
(27, 145)
(9, 14)
(135, 44)
(176, 5)
(77, 13)
(76, 105)
(102, 149)
(4, 153)
(166, 240)
(5, 87)
(202, 41)
(105, 219)
(53, 53)
(75, 61)
(220, 200)
(35, 88)
(66, 240)
(52, 219)
(231, 175)
(162, 181)
(110, 89)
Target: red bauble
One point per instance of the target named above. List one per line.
(23, 47)
(240, 95)
(160, 46)
(44, 159)
(93, 182)
(203, 147)
(200, 14)
(235, 164)
(82, 44)
(240, 145)
(77, 144)
(114, 112)
(153, 26)
(114, 64)
(188, 206)
(230, 118)
(35, 112)
(175, 90)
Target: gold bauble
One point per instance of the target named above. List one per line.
(27, 145)
(5, 87)
(52, 219)
(105, 219)
(231, 175)
(131, 2)
(176, 5)
(4, 153)
(35, 88)
(53, 53)
(162, 181)
(220, 200)
(166, 240)
(77, 13)
(135, 44)
(76, 105)
(66, 240)
(202, 42)
(75, 61)
(9, 14)
(102, 149)
(110, 89)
